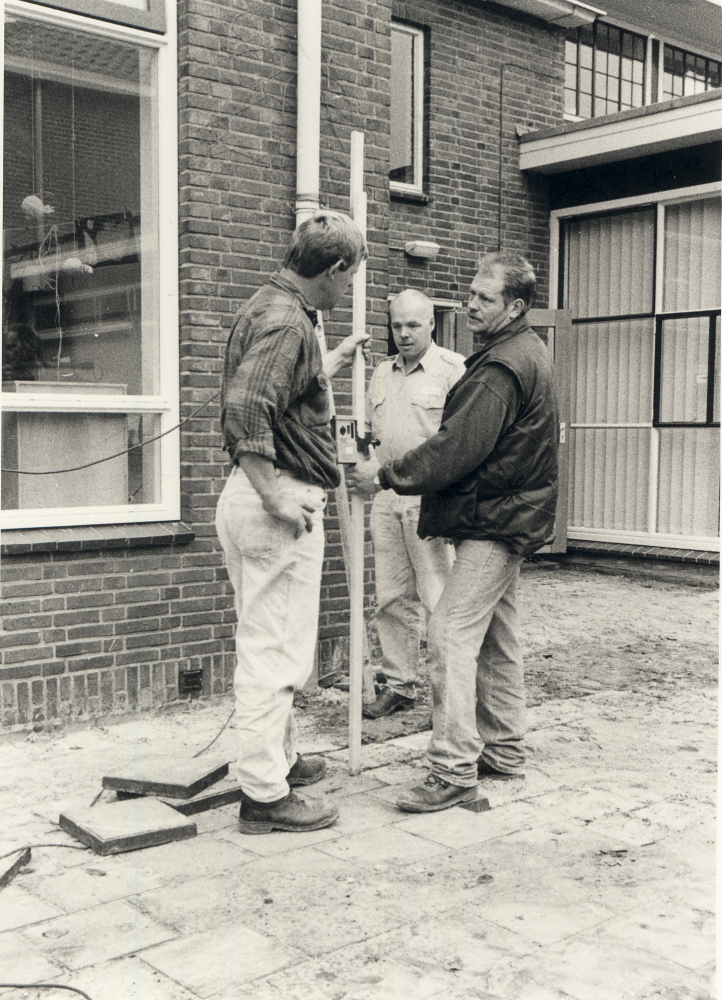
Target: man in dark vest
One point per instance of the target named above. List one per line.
(488, 480)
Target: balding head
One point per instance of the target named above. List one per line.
(412, 323)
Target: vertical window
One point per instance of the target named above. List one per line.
(644, 286)
(85, 372)
(686, 73)
(604, 70)
(407, 107)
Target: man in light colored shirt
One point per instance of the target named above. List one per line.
(405, 401)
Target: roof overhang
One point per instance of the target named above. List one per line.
(686, 121)
(563, 13)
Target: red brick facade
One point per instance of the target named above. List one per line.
(102, 621)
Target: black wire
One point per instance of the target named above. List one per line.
(108, 458)
(17, 850)
(43, 986)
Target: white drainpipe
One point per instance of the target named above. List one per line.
(308, 115)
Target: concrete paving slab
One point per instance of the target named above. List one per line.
(278, 842)
(361, 973)
(389, 846)
(205, 854)
(19, 907)
(363, 811)
(95, 935)
(461, 828)
(402, 774)
(461, 943)
(669, 815)
(123, 979)
(547, 921)
(86, 885)
(632, 830)
(584, 968)
(339, 783)
(375, 755)
(166, 776)
(418, 742)
(199, 904)
(21, 964)
(584, 805)
(220, 959)
(127, 826)
(673, 932)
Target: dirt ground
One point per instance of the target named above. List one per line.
(582, 632)
(593, 879)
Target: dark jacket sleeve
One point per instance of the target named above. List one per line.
(480, 409)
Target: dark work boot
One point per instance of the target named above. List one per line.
(306, 771)
(293, 813)
(485, 770)
(387, 702)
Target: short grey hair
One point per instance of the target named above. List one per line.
(418, 296)
(518, 276)
(323, 240)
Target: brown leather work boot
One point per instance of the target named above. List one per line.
(293, 813)
(387, 702)
(306, 771)
(435, 794)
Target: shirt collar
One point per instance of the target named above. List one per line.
(286, 283)
(425, 361)
(516, 326)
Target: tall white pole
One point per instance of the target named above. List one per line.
(358, 386)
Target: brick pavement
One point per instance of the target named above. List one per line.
(591, 880)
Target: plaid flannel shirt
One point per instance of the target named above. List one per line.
(275, 398)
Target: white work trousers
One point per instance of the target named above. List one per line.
(277, 583)
(410, 576)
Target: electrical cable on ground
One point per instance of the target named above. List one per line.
(108, 458)
(43, 986)
(216, 736)
(17, 850)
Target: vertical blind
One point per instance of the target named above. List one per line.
(609, 272)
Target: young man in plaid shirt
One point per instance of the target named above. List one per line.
(275, 416)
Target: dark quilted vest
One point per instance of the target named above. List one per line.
(511, 497)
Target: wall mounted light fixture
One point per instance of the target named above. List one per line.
(422, 248)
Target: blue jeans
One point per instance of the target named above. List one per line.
(476, 668)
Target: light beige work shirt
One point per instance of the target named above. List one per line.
(404, 406)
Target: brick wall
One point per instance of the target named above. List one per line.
(472, 48)
(108, 632)
(92, 632)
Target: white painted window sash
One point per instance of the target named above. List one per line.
(418, 110)
(164, 195)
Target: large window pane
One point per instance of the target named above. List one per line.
(692, 256)
(610, 264)
(684, 370)
(80, 235)
(46, 442)
(689, 481)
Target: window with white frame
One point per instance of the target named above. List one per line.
(89, 366)
(643, 283)
(407, 108)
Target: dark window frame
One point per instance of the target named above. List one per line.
(685, 54)
(599, 27)
(712, 315)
